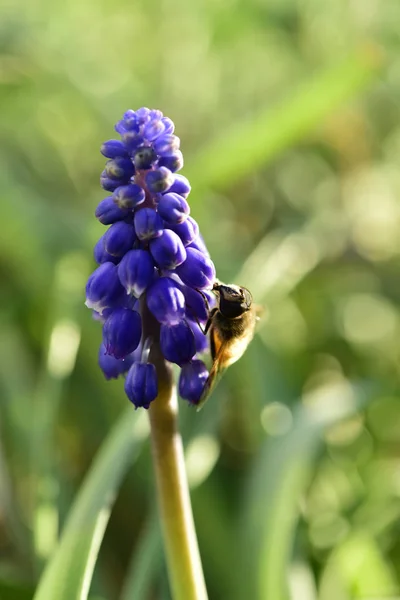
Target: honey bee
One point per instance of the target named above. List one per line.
(231, 326)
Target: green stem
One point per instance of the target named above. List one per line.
(182, 552)
(180, 542)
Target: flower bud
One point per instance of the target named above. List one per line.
(132, 140)
(155, 114)
(197, 271)
(153, 129)
(119, 238)
(142, 115)
(122, 332)
(168, 250)
(119, 168)
(159, 180)
(113, 149)
(198, 244)
(108, 212)
(136, 271)
(101, 317)
(130, 121)
(180, 185)
(144, 157)
(100, 254)
(192, 380)
(177, 342)
(174, 161)
(127, 123)
(166, 144)
(148, 224)
(103, 288)
(166, 301)
(110, 184)
(141, 385)
(195, 305)
(173, 208)
(187, 231)
(128, 196)
(169, 126)
(113, 367)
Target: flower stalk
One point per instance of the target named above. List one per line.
(181, 548)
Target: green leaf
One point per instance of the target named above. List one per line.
(279, 477)
(58, 362)
(69, 572)
(253, 143)
(146, 562)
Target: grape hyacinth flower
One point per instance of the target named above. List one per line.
(151, 261)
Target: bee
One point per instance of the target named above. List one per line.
(231, 326)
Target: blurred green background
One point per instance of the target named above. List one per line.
(289, 117)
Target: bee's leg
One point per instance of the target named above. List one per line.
(209, 320)
(205, 299)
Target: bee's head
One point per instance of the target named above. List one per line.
(233, 300)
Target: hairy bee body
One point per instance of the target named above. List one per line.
(234, 334)
(231, 326)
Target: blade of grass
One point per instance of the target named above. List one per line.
(146, 563)
(58, 363)
(69, 572)
(251, 144)
(277, 481)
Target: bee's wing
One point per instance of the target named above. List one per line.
(215, 375)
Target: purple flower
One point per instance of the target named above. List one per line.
(195, 305)
(113, 149)
(119, 168)
(103, 288)
(198, 244)
(101, 255)
(148, 224)
(136, 271)
(128, 196)
(166, 144)
(108, 212)
(173, 208)
(144, 157)
(173, 162)
(152, 260)
(166, 301)
(192, 380)
(113, 367)
(141, 384)
(180, 186)
(197, 271)
(187, 231)
(168, 250)
(122, 332)
(159, 180)
(177, 342)
(169, 126)
(110, 184)
(119, 238)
